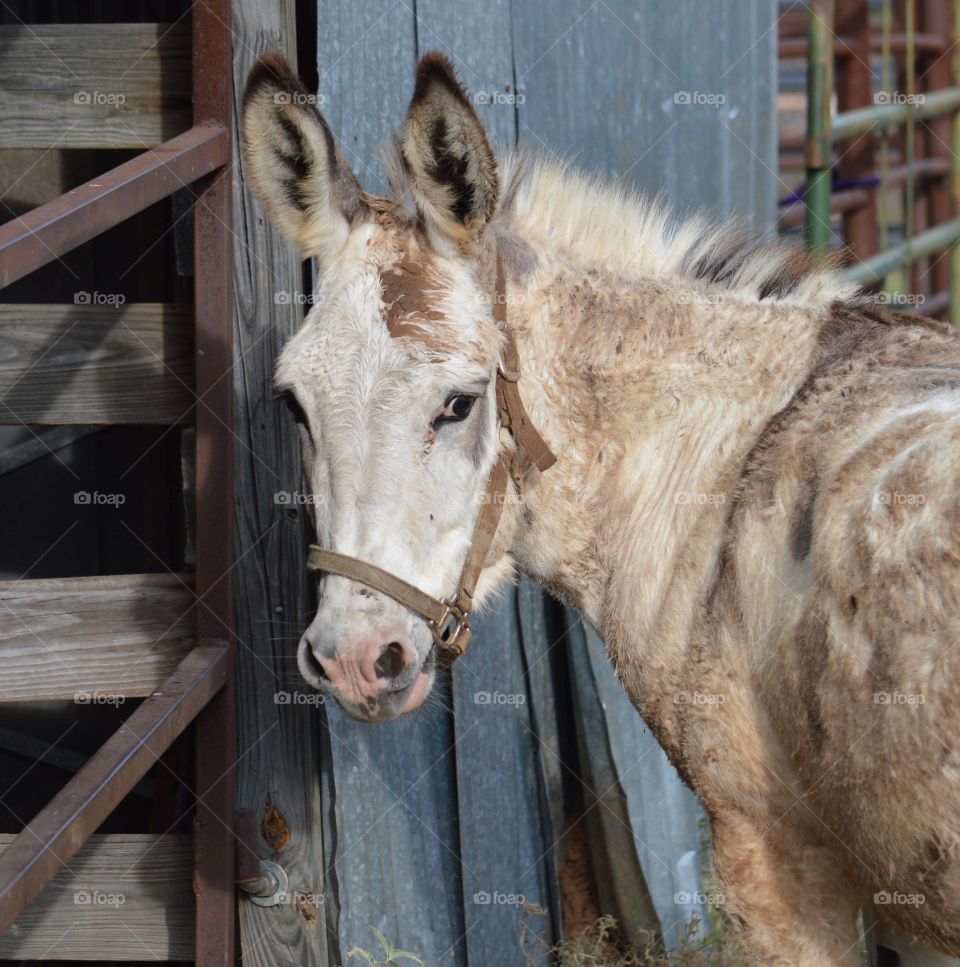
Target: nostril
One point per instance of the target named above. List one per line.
(313, 663)
(391, 661)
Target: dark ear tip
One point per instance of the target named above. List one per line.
(273, 72)
(436, 68)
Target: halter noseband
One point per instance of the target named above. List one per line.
(448, 618)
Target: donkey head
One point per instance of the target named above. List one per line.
(391, 377)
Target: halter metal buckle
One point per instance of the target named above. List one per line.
(451, 628)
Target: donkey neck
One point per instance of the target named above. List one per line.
(651, 392)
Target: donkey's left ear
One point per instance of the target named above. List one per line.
(453, 169)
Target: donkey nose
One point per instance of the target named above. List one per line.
(361, 667)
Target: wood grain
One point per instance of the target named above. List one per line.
(279, 745)
(86, 86)
(88, 364)
(121, 897)
(393, 790)
(93, 639)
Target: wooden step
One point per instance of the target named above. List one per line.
(92, 640)
(96, 362)
(121, 897)
(122, 85)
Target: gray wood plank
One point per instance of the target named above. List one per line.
(92, 640)
(616, 85)
(121, 897)
(543, 638)
(397, 853)
(477, 38)
(506, 830)
(279, 742)
(663, 814)
(96, 363)
(392, 789)
(81, 86)
(620, 878)
(507, 841)
(365, 57)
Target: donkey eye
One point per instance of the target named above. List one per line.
(456, 408)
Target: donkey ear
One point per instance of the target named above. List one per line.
(292, 163)
(452, 167)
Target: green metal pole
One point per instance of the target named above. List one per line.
(933, 240)
(955, 176)
(849, 124)
(819, 150)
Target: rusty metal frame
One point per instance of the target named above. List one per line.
(940, 106)
(202, 688)
(214, 854)
(45, 233)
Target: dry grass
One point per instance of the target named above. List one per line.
(602, 945)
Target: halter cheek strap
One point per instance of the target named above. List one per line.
(448, 618)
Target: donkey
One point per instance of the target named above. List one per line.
(754, 500)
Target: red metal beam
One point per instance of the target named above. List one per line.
(844, 46)
(30, 241)
(854, 86)
(67, 821)
(214, 846)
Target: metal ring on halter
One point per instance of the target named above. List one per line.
(448, 636)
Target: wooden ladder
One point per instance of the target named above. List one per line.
(164, 638)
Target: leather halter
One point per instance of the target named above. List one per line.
(448, 618)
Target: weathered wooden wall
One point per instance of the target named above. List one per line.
(279, 737)
(416, 828)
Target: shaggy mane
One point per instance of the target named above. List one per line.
(600, 224)
(603, 225)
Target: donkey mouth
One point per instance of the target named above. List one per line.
(389, 705)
